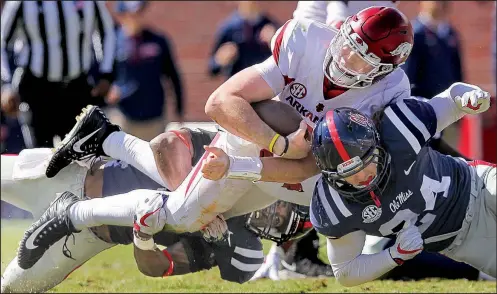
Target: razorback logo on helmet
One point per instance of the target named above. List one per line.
(359, 119)
(298, 90)
(359, 43)
(403, 50)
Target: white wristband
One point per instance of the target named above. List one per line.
(144, 245)
(244, 168)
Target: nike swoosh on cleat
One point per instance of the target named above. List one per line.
(409, 169)
(402, 251)
(144, 217)
(29, 242)
(77, 145)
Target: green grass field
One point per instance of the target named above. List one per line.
(114, 270)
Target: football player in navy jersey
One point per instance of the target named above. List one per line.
(380, 178)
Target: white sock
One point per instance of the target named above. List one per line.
(117, 210)
(135, 152)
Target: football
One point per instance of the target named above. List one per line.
(281, 117)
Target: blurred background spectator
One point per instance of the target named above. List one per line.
(242, 40)
(53, 77)
(435, 60)
(143, 59)
(11, 137)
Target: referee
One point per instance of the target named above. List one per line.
(52, 75)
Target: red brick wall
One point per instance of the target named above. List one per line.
(192, 25)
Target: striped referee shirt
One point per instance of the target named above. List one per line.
(58, 36)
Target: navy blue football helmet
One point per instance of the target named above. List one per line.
(344, 142)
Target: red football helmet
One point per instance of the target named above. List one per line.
(368, 46)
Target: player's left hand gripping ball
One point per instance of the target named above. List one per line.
(473, 102)
(150, 216)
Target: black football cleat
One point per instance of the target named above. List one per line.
(52, 226)
(83, 141)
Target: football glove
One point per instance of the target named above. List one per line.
(473, 102)
(150, 216)
(408, 244)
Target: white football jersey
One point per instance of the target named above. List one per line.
(295, 73)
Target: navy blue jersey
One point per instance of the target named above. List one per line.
(426, 188)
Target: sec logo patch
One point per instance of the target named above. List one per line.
(297, 90)
(371, 213)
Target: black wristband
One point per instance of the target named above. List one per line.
(286, 147)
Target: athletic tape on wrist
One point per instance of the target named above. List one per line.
(144, 244)
(244, 168)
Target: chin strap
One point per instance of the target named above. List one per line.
(375, 199)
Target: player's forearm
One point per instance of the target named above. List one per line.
(152, 263)
(238, 117)
(272, 169)
(292, 171)
(445, 106)
(364, 268)
(230, 107)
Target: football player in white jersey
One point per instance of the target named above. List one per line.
(238, 259)
(313, 68)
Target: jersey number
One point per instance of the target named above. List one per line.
(292, 187)
(430, 190)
